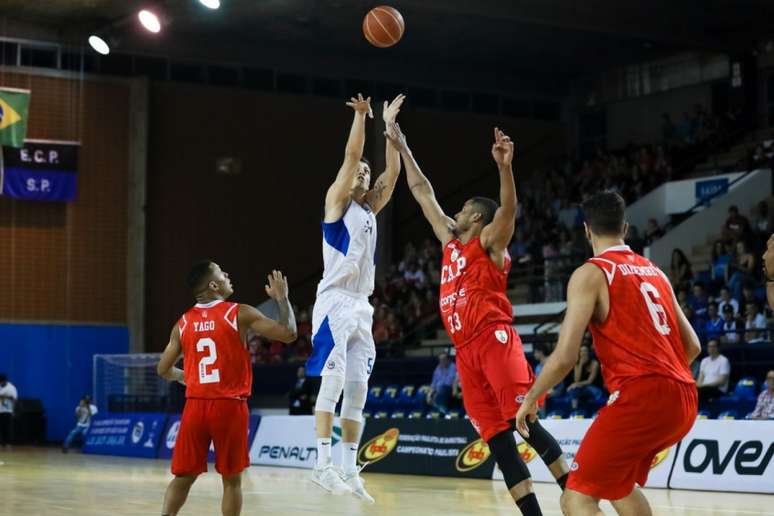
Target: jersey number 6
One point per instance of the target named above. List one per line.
(212, 355)
(657, 312)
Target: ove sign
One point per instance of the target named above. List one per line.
(728, 456)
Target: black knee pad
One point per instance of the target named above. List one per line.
(543, 442)
(503, 447)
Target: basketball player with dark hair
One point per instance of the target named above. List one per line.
(343, 351)
(493, 371)
(218, 377)
(645, 345)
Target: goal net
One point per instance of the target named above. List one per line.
(129, 383)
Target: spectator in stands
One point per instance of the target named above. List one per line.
(680, 273)
(699, 301)
(414, 275)
(721, 259)
(731, 327)
(302, 396)
(714, 372)
(83, 414)
(540, 357)
(440, 393)
(736, 226)
(635, 241)
(713, 329)
(587, 380)
(764, 408)
(741, 269)
(754, 324)
(456, 399)
(761, 221)
(8, 397)
(653, 232)
(726, 299)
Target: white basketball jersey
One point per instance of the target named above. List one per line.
(349, 252)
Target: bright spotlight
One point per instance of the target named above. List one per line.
(211, 4)
(99, 45)
(149, 20)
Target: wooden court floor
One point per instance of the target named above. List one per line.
(43, 481)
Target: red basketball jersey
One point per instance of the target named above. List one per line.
(472, 294)
(640, 336)
(216, 361)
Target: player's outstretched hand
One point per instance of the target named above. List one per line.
(396, 136)
(502, 148)
(360, 105)
(277, 288)
(527, 410)
(391, 109)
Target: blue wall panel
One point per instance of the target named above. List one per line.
(54, 363)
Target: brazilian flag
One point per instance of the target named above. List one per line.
(13, 116)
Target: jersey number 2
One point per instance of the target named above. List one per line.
(212, 355)
(657, 313)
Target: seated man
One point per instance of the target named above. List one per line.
(713, 374)
(764, 408)
(441, 389)
(83, 414)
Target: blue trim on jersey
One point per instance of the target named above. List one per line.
(322, 345)
(337, 235)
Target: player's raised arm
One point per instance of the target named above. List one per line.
(421, 188)
(338, 193)
(166, 366)
(380, 194)
(497, 234)
(582, 294)
(283, 329)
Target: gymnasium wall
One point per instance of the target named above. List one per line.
(53, 363)
(67, 261)
(291, 148)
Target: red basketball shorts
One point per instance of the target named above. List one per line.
(225, 423)
(645, 416)
(495, 376)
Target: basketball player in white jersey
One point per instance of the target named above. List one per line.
(343, 346)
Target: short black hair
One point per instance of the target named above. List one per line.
(365, 160)
(486, 207)
(199, 275)
(3, 377)
(733, 209)
(604, 213)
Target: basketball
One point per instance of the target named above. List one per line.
(383, 26)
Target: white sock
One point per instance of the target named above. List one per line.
(349, 457)
(323, 451)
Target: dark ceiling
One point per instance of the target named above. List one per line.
(552, 38)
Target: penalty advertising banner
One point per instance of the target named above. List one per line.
(169, 438)
(290, 441)
(129, 434)
(569, 433)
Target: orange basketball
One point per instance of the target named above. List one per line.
(383, 26)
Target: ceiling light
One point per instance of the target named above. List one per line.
(149, 20)
(211, 4)
(99, 45)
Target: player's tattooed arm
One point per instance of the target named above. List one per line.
(496, 236)
(421, 188)
(284, 329)
(166, 366)
(338, 193)
(381, 193)
(582, 294)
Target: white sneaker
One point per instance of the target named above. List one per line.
(355, 484)
(328, 478)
